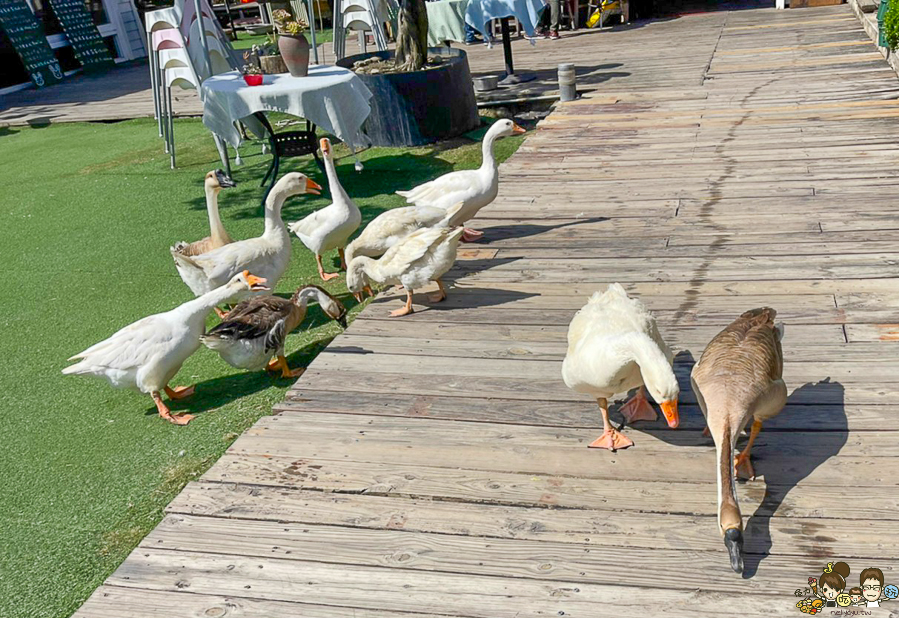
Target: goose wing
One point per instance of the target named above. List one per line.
(413, 247)
(252, 318)
(131, 347)
(749, 347)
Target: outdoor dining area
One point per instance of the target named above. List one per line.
(327, 91)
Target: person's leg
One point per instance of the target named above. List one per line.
(554, 10)
(470, 34)
(543, 22)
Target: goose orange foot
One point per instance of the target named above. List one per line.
(638, 409)
(164, 412)
(470, 235)
(612, 440)
(179, 392)
(743, 467)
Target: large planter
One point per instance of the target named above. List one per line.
(295, 53)
(421, 107)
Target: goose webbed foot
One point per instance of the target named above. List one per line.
(440, 294)
(406, 309)
(743, 467)
(470, 235)
(220, 313)
(279, 363)
(611, 439)
(179, 392)
(638, 408)
(164, 412)
(321, 270)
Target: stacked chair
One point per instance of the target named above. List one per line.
(362, 16)
(174, 37)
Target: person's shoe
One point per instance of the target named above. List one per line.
(554, 35)
(540, 31)
(471, 42)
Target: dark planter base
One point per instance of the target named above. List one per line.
(422, 107)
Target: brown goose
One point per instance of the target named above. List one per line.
(218, 237)
(255, 330)
(740, 376)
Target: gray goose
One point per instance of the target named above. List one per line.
(739, 377)
(256, 329)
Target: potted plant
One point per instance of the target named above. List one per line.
(270, 60)
(292, 44)
(252, 74)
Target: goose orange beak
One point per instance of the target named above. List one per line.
(669, 409)
(313, 187)
(256, 283)
(357, 296)
(325, 145)
(517, 129)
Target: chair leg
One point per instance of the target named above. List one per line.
(271, 165)
(171, 128)
(165, 114)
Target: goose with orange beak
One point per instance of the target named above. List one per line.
(267, 256)
(473, 188)
(147, 354)
(614, 345)
(331, 227)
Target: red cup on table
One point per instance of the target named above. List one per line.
(253, 80)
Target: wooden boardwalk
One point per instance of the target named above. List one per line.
(436, 465)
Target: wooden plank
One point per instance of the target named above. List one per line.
(839, 417)
(515, 559)
(396, 590)
(116, 602)
(462, 485)
(585, 527)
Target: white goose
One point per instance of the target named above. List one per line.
(422, 256)
(331, 227)
(474, 188)
(391, 226)
(218, 237)
(268, 255)
(148, 353)
(614, 345)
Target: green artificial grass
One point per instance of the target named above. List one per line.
(246, 41)
(87, 215)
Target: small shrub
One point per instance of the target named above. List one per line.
(891, 24)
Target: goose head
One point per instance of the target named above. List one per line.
(246, 282)
(332, 307)
(504, 128)
(325, 145)
(658, 376)
(356, 279)
(217, 180)
(296, 183)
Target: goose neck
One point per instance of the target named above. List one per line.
(216, 229)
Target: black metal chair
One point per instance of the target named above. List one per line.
(288, 144)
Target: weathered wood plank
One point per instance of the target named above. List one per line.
(587, 527)
(461, 485)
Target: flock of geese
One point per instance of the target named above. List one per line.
(614, 344)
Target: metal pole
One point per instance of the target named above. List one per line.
(311, 11)
(203, 43)
(507, 45)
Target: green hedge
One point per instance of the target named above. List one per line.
(891, 24)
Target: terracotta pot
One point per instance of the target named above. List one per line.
(295, 52)
(253, 80)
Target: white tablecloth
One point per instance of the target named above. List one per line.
(481, 12)
(446, 19)
(331, 97)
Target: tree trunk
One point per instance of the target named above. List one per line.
(412, 38)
